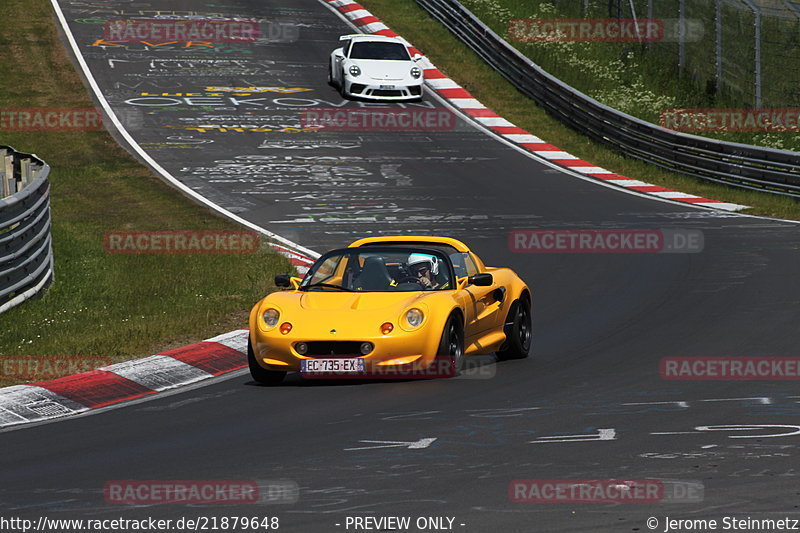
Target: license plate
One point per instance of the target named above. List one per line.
(387, 86)
(336, 366)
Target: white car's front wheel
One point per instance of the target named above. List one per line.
(331, 78)
(342, 84)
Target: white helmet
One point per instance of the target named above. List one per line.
(416, 258)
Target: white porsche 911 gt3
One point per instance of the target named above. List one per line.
(375, 67)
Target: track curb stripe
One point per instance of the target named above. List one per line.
(462, 99)
(94, 389)
(121, 382)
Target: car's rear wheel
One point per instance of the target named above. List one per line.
(265, 377)
(518, 330)
(450, 355)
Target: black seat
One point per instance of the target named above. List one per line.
(374, 276)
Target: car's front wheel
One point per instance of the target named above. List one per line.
(518, 331)
(265, 377)
(450, 355)
(331, 81)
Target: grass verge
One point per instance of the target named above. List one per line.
(644, 79)
(118, 306)
(471, 72)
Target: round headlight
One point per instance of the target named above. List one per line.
(416, 72)
(366, 347)
(301, 348)
(354, 70)
(414, 317)
(271, 317)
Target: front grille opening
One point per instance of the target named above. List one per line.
(333, 349)
(386, 92)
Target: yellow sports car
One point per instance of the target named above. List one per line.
(390, 306)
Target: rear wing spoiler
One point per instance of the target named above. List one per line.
(348, 37)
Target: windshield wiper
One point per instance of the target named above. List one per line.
(328, 285)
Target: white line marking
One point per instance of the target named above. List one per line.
(500, 412)
(678, 403)
(795, 430)
(765, 400)
(602, 434)
(416, 445)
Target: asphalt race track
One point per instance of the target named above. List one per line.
(602, 322)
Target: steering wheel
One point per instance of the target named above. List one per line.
(409, 279)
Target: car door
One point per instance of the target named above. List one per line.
(482, 304)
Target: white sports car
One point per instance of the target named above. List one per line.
(375, 67)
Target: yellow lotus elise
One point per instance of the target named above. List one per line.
(390, 307)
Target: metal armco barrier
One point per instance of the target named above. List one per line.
(26, 252)
(739, 165)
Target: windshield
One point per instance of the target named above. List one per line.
(379, 50)
(380, 270)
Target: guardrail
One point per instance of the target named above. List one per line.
(26, 251)
(739, 165)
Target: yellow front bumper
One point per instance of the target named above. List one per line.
(411, 350)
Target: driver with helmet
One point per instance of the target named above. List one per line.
(424, 267)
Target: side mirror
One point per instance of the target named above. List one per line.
(481, 280)
(416, 57)
(283, 280)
